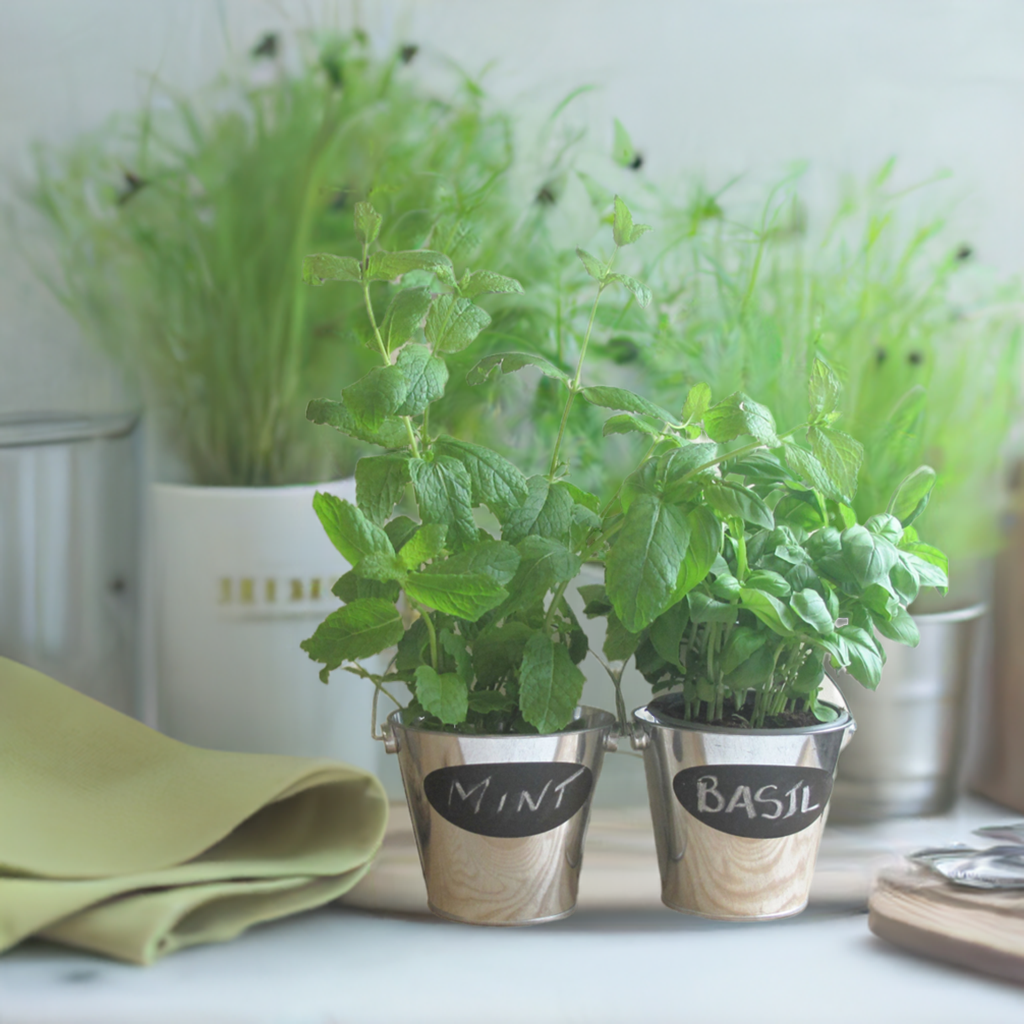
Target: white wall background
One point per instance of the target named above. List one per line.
(710, 86)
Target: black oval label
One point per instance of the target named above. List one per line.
(762, 801)
(509, 800)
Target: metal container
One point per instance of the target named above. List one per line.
(500, 820)
(911, 731)
(69, 498)
(738, 814)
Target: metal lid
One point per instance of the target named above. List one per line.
(24, 429)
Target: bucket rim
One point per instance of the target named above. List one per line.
(602, 721)
(647, 719)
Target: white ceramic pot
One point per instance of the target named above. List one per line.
(242, 576)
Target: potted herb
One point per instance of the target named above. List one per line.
(735, 567)
(498, 759)
(179, 233)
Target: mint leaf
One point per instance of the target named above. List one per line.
(404, 316)
(400, 530)
(454, 323)
(596, 268)
(666, 632)
(390, 433)
(626, 423)
(348, 529)
(641, 292)
(351, 587)
(367, 222)
(619, 643)
(698, 400)
(425, 377)
(464, 595)
(544, 563)
(380, 567)
(546, 511)
(444, 696)
(643, 566)
(620, 398)
(495, 481)
(444, 493)
(740, 414)
(498, 650)
(823, 391)
(510, 362)
(486, 701)
(358, 630)
(840, 456)
(481, 282)
(386, 266)
(600, 197)
(493, 558)
(380, 484)
(623, 152)
(550, 685)
(323, 266)
(426, 543)
(455, 647)
(809, 470)
(623, 228)
(375, 397)
(705, 544)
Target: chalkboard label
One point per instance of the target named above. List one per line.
(762, 801)
(509, 800)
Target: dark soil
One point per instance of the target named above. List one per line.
(672, 706)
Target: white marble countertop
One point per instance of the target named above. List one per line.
(342, 966)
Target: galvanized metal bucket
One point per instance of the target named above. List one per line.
(909, 751)
(500, 820)
(738, 814)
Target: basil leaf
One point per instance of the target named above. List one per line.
(811, 607)
(865, 660)
(729, 500)
(775, 614)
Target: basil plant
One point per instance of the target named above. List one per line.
(735, 564)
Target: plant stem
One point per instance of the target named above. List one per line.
(430, 632)
(753, 447)
(387, 359)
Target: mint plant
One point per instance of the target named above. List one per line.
(488, 642)
(735, 563)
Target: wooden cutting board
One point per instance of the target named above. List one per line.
(620, 868)
(979, 929)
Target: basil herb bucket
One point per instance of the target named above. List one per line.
(498, 759)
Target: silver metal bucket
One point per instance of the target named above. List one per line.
(500, 820)
(69, 513)
(909, 751)
(738, 814)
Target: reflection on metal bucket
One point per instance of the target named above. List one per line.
(910, 737)
(68, 551)
(500, 820)
(738, 814)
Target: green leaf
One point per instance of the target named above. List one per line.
(367, 222)
(498, 650)
(641, 292)
(445, 696)
(400, 530)
(706, 609)
(544, 564)
(619, 642)
(927, 563)
(464, 595)
(740, 415)
(486, 701)
(600, 197)
(495, 481)
(493, 558)
(322, 266)
(579, 496)
(481, 282)
(426, 543)
(391, 433)
(811, 607)
(755, 671)
(840, 456)
(810, 471)
(705, 543)
(550, 685)
(455, 647)
(546, 511)
(404, 316)
(349, 530)
(742, 643)
(867, 557)
(739, 502)
(775, 614)
(885, 526)
(901, 627)
(510, 362)
(351, 587)
(823, 390)
(622, 222)
(865, 661)
(770, 582)
(380, 484)
(453, 323)
(623, 152)
(912, 495)
(357, 630)
(698, 400)
(378, 395)
(425, 376)
(386, 266)
(444, 494)
(626, 423)
(645, 561)
(620, 398)
(380, 567)
(596, 268)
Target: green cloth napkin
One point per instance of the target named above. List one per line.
(120, 840)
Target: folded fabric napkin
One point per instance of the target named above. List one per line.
(120, 840)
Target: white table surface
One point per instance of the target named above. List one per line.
(336, 966)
